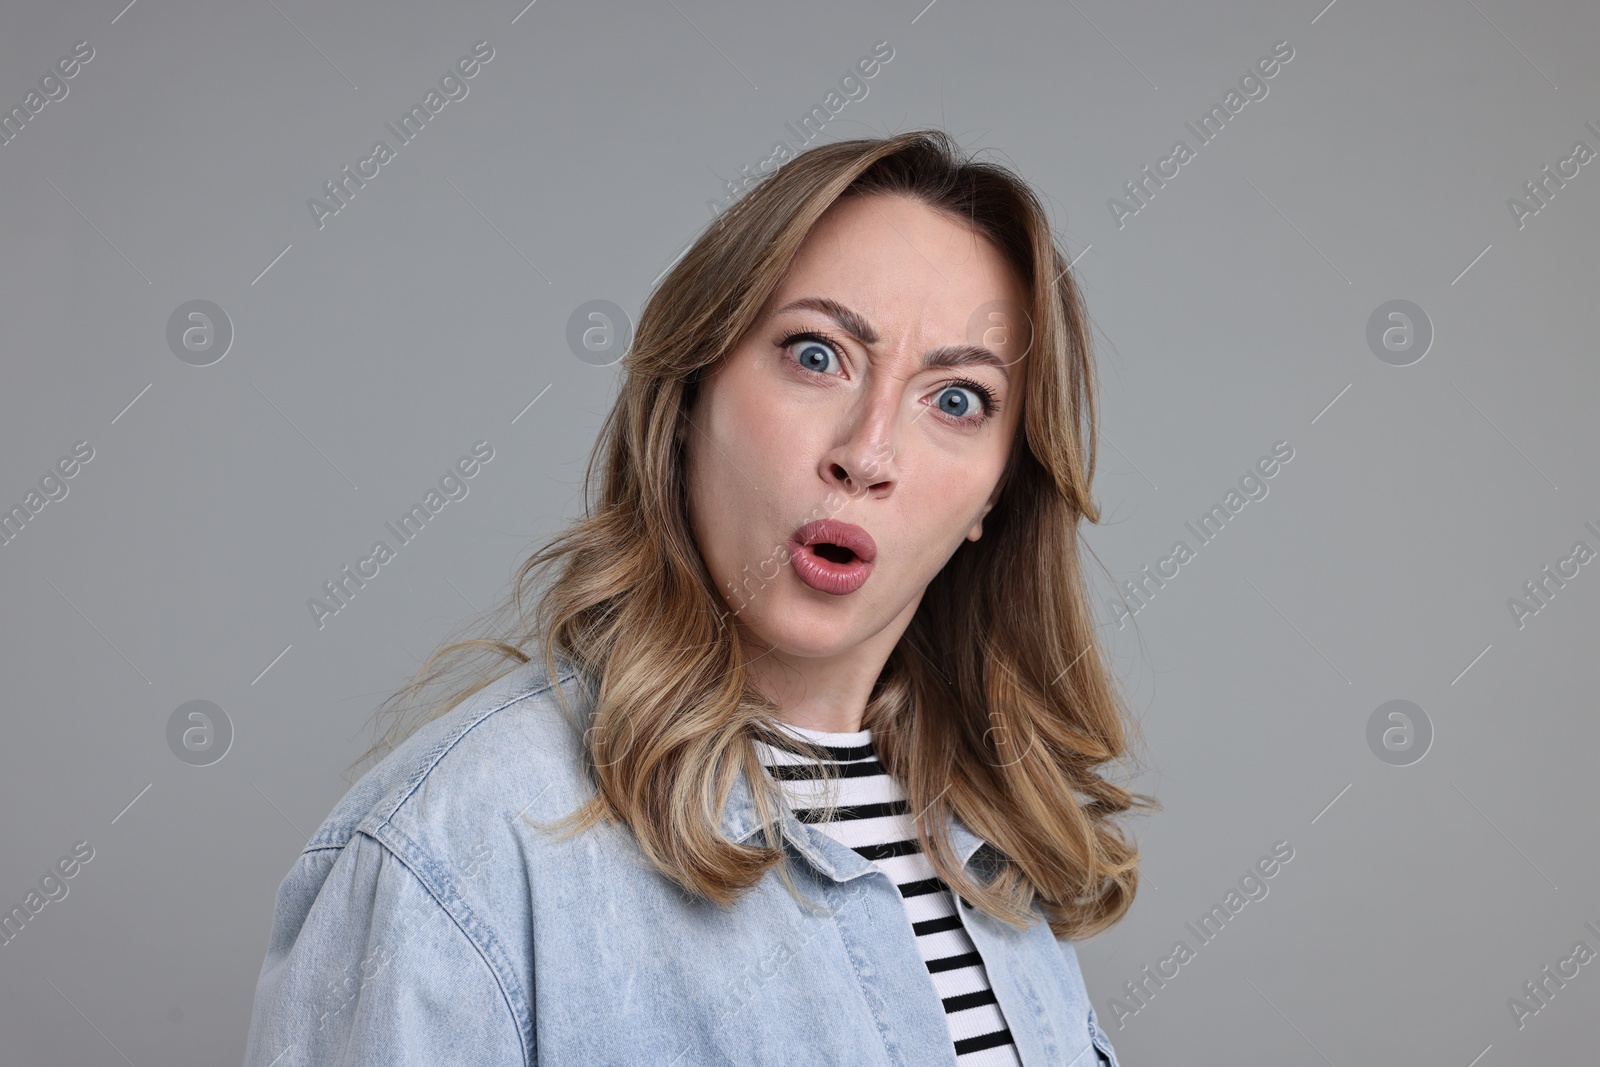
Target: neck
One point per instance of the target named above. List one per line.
(827, 692)
(831, 701)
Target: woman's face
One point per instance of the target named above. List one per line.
(826, 410)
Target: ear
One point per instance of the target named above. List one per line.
(977, 527)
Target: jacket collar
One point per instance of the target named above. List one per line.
(839, 862)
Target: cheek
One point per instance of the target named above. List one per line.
(710, 507)
(736, 468)
(767, 445)
(706, 486)
(940, 506)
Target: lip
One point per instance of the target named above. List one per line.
(826, 575)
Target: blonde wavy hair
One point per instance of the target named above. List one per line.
(996, 706)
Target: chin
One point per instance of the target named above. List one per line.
(802, 625)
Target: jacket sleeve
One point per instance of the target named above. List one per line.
(1102, 1042)
(1099, 1040)
(366, 967)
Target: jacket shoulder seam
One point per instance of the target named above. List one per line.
(450, 743)
(483, 942)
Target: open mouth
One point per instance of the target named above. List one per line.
(833, 553)
(831, 556)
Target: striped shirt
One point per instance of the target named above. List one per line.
(874, 820)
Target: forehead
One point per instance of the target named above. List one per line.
(904, 265)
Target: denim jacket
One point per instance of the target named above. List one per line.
(426, 923)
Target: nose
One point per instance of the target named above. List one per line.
(862, 465)
(863, 458)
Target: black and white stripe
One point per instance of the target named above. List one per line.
(874, 819)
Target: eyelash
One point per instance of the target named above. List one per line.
(991, 406)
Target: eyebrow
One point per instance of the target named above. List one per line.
(857, 326)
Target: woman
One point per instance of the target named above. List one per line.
(819, 664)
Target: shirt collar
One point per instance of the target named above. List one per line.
(839, 862)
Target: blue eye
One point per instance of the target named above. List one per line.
(952, 403)
(812, 353)
(955, 407)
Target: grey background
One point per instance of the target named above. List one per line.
(432, 311)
